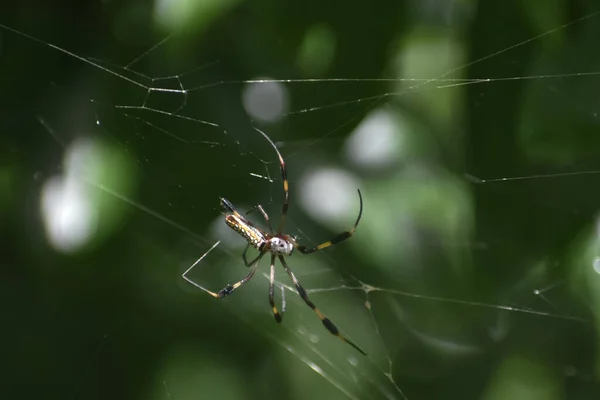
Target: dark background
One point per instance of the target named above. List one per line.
(477, 287)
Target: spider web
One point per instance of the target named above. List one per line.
(434, 285)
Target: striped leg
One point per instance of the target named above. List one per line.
(338, 238)
(326, 321)
(249, 263)
(286, 189)
(276, 313)
(227, 290)
(264, 214)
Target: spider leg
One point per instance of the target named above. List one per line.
(286, 191)
(264, 214)
(337, 238)
(326, 321)
(276, 313)
(226, 204)
(249, 263)
(227, 290)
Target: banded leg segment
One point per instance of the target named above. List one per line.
(249, 263)
(276, 313)
(326, 321)
(226, 204)
(286, 191)
(339, 237)
(264, 214)
(227, 290)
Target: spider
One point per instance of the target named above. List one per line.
(278, 245)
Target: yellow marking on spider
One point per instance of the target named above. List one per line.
(319, 314)
(276, 311)
(252, 234)
(324, 245)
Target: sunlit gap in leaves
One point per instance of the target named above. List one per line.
(68, 210)
(329, 194)
(379, 141)
(74, 212)
(265, 101)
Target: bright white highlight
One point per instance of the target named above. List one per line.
(329, 194)
(265, 101)
(377, 142)
(597, 265)
(69, 217)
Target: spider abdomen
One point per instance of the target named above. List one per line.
(255, 237)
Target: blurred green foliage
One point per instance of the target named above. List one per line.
(458, 285)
